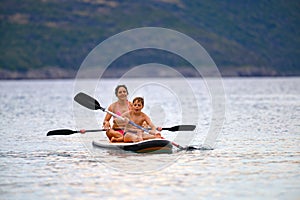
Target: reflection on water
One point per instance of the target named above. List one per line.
(257, 155)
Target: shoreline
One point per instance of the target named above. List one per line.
(61, 73)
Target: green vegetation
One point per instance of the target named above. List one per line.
(243, 37)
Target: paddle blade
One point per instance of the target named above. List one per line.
(61, 132)
(181, 128)
(87, 101)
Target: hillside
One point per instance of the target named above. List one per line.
(51, 38)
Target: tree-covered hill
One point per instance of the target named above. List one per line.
(51, 38)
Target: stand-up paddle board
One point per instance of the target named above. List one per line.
(145, 146)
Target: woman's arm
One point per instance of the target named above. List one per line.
(107, 118)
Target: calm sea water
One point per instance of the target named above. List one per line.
(256, 156)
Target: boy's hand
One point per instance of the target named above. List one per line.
(159, 128)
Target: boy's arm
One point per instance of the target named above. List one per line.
(152, 126)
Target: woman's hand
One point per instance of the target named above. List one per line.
(106, 125)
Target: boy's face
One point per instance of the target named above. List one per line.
(137, 106)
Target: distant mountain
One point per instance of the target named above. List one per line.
(51, 38)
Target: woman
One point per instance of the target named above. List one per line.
(119, 107)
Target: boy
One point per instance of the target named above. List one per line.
(133, 134)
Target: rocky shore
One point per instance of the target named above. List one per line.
(61, 73)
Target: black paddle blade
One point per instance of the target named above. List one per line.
(181, 128)
(88, 101)
(202, 148)
(61, 132)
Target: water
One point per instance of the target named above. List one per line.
(257, 154)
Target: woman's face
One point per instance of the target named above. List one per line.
(122, 93)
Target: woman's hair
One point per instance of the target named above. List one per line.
(118, 87)
(139, 99)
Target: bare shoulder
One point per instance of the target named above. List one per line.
(145, 116)
(112, 106)
(129, 104)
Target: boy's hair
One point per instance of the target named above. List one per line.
(140, 99)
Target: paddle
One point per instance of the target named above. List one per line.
(69, 132)
(181, 128)
(91, 103)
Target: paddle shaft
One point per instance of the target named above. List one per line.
(69, 132)
(130, 122)
(178, 146)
